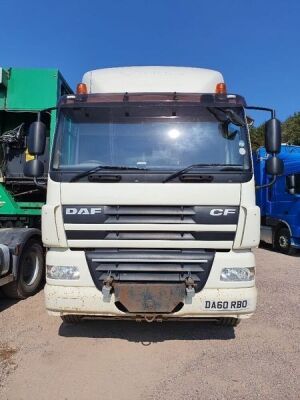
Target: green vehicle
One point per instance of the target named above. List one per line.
(23, 94)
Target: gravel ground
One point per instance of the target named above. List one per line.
(41, 358)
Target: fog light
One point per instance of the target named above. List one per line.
(62, 272)
(237, 274)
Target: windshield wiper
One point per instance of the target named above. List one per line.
(230, 167)
(104, 167)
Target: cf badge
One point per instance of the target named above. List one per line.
(216, 212)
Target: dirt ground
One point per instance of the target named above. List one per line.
(42, 358)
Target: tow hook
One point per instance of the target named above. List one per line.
(149, 318)
(190, 290)
(107, 289)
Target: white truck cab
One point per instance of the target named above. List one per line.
(150, 208)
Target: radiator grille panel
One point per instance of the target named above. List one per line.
(107, 217)
(87, 214)
(172, 266)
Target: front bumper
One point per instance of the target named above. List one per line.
(217, 299)
(87, 301)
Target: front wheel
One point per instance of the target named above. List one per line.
(31, 271)
(283, 242)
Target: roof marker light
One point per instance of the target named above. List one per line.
(221, 88)
(81, 88)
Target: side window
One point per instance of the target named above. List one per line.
(297, 183)
(297, 187)
(69, 142)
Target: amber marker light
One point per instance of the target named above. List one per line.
(81, 88)
(221, 88)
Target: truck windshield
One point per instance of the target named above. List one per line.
(150, 137)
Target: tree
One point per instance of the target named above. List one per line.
(291, 129)
(290, 132)
(257, 135)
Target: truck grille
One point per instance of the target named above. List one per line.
(173, 222)
(145, 266)
(148, 214)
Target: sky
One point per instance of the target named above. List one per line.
(254, 43)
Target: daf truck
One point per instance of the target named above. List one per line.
(150, 210)
(280, 203)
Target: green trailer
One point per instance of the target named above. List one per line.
(23, 94)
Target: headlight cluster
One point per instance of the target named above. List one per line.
(62, 272)
(237, 274)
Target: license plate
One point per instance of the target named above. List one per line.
(225, 305)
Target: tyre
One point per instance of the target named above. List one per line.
(229, 321)
(283, 242)
(31, 271)
(71, 319)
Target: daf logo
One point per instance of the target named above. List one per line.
(217, 212)
(83, 211)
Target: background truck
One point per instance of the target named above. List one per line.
(150, 210)
(280, 203)
(23, 93)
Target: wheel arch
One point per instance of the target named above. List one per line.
(280, 224)
(15, 239)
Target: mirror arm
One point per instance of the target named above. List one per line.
(267, 184)
(45, 110)
(270, 110)
(40, 185)
(48, 110)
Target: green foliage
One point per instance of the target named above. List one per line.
(290, 132)
(257, 136)
(291, 129)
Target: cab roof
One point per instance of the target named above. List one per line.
(152, 80)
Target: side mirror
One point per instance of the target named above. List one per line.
(274, 166)
(37, 138)
(273, 136)
(34, 168)
(291, 184)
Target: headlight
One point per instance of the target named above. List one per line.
(237, 274)
(62, 272)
